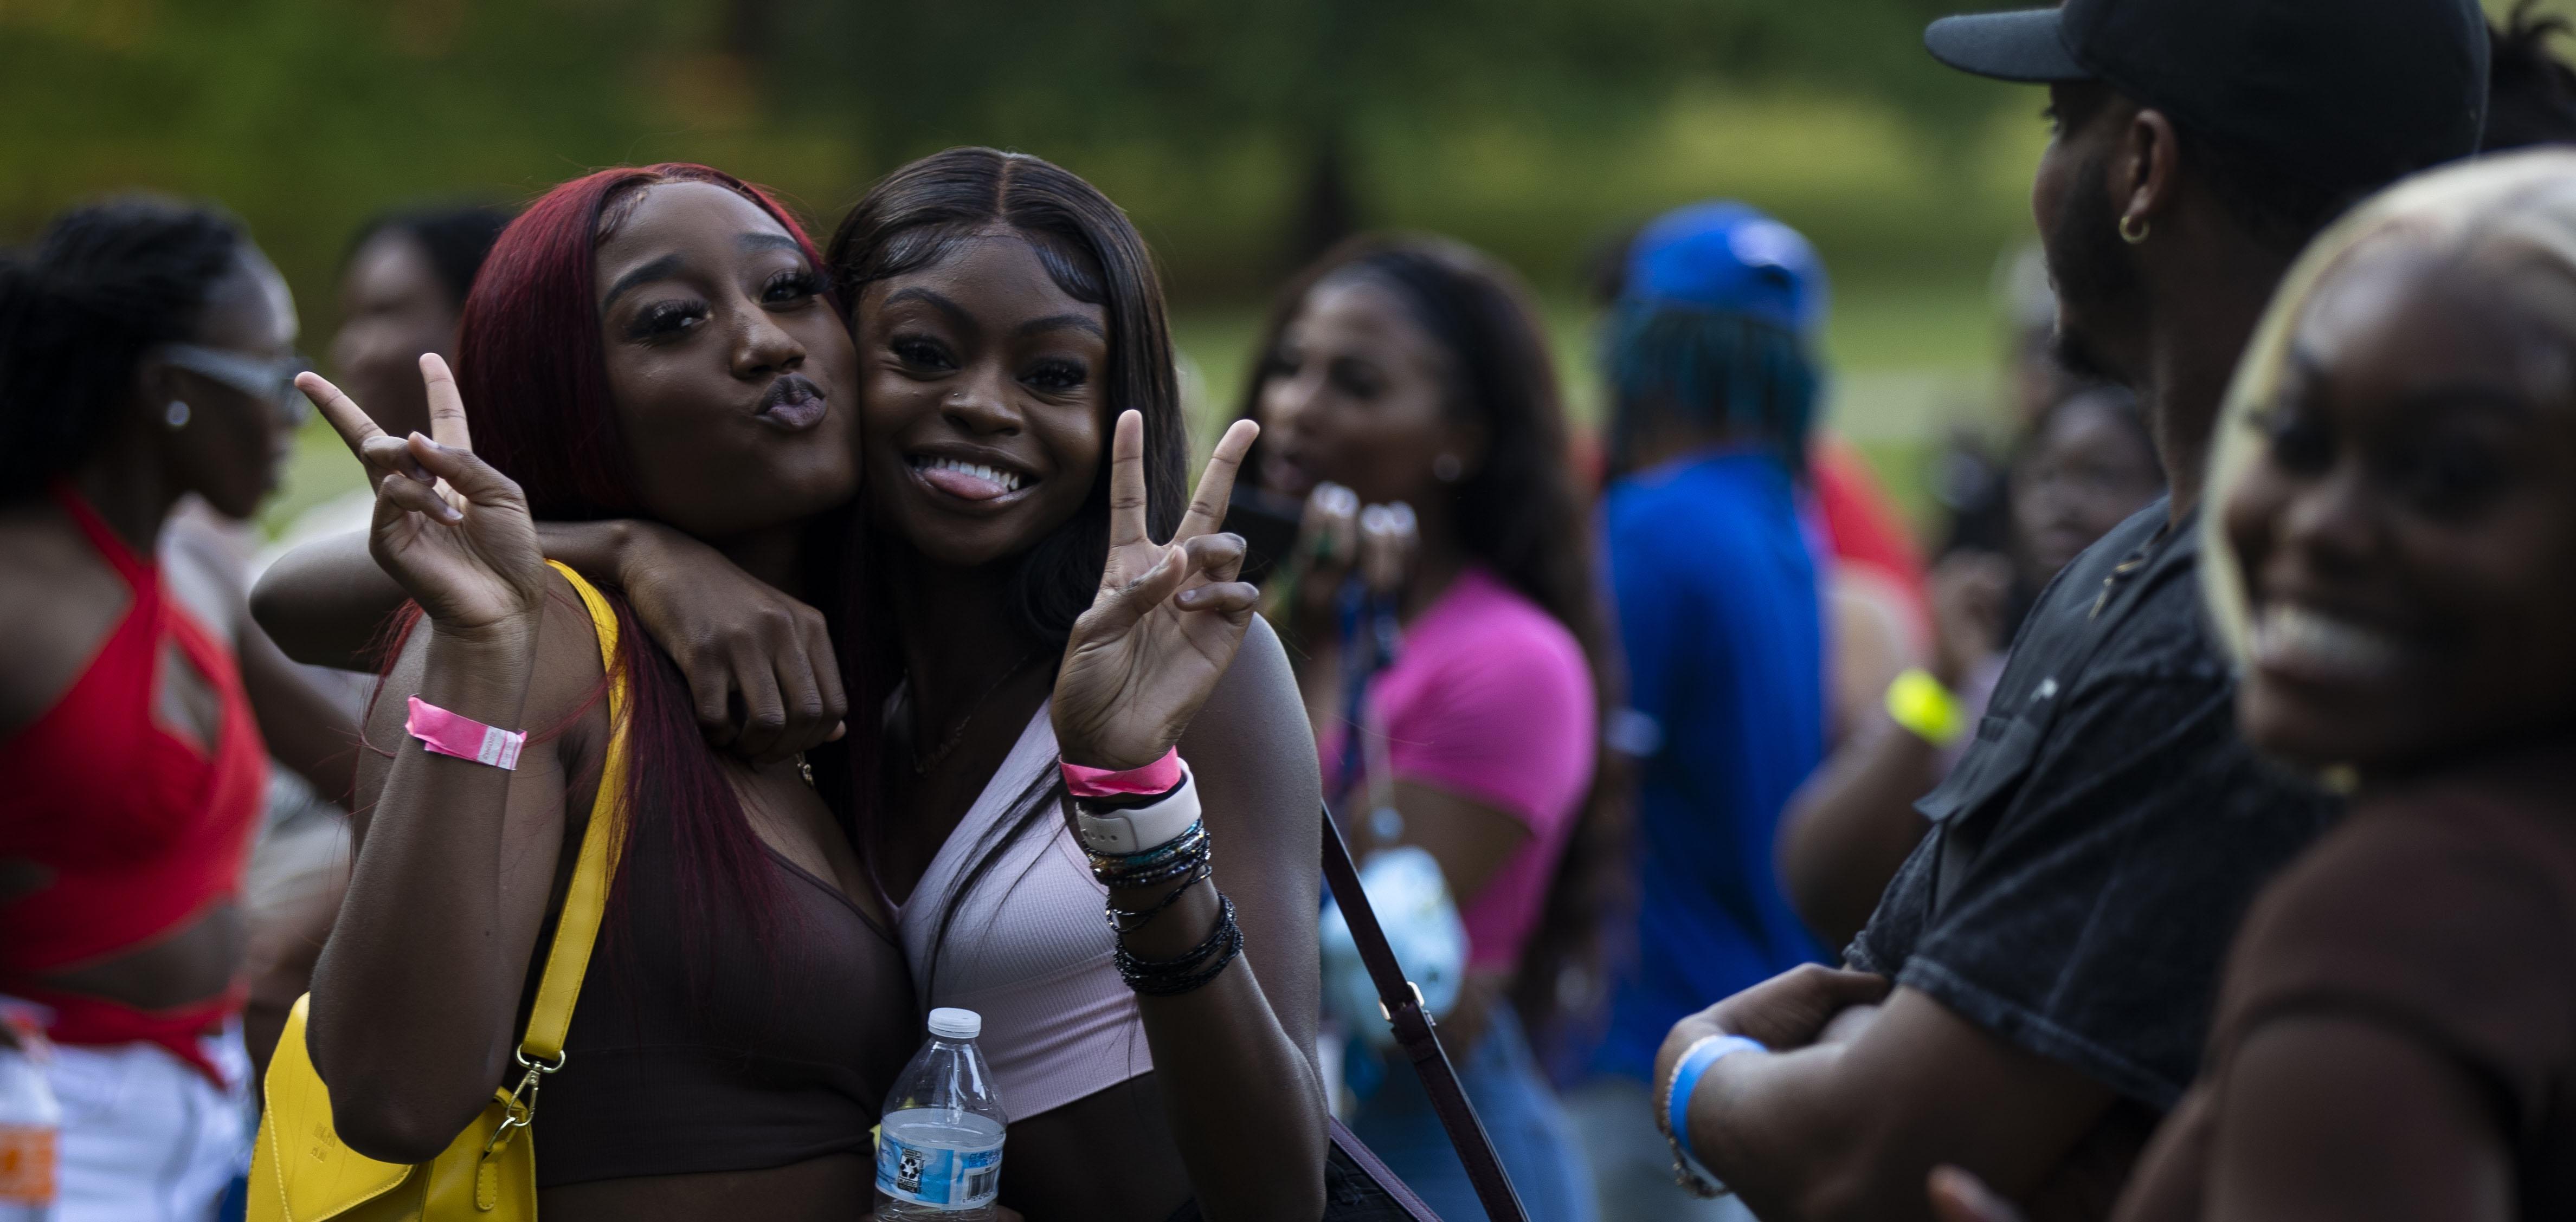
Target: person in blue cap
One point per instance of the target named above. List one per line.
(1714, 383)
(2035, 988)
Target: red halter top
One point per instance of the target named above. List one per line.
(143, 829)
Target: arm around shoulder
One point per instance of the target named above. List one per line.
(326, 603)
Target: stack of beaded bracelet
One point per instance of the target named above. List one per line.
(1186, 859)
(1161, 863)
(1191, 968)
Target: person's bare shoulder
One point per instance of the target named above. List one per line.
(1255, 712)
(58, 600)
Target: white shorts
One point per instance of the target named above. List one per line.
(146, 1138)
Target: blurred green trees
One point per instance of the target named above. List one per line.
(1239, 134)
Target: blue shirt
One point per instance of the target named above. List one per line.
(1718, 614)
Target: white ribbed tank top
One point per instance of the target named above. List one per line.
(1027, 949)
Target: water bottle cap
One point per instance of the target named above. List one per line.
(950, 1023)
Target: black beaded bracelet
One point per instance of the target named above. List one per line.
(1194, 968)
(1189, 841)
(1170, 868)
(1125, 921)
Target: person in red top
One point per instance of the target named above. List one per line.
(145, 353)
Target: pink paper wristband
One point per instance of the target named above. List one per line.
(1157, 777)
(463, 737)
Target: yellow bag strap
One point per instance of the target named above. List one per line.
(577, 929)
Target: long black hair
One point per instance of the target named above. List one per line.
(104, 283)
(1523, 516)
(920, 215)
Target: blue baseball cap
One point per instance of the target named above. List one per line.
(1726, 256)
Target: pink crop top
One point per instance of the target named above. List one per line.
(1027, 949)
(1491, 699)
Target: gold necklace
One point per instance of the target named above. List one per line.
(922, 764)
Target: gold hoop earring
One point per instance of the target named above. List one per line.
(2133, 236)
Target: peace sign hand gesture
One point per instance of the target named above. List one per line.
(1167, 620)
(454, 531)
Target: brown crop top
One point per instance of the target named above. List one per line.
(782, 1052)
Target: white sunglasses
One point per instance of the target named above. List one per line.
(267, 378)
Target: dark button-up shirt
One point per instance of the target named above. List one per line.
(2094, 850)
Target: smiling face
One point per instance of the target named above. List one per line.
(1357, 394)
(729, 373)
(2407, 537)
(986, 410)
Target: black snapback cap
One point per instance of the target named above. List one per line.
(2355, 88)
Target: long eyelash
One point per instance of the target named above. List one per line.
(664, 317)
(1067, 372)
(802, 281)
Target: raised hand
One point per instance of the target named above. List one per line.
(452, 530)
(1167, 620)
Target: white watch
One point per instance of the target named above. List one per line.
(1139, 829)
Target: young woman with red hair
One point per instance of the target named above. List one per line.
(658, 343)
(1005, 314)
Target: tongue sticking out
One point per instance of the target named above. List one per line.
(962, 484)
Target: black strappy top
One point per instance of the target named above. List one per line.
(778, 1046)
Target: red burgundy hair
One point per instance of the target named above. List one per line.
(534, 377)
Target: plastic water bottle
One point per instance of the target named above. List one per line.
(30, 1125)
(939, 1146)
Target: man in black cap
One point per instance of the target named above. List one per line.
(2034, 989)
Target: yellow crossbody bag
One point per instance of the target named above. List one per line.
(300, 1172)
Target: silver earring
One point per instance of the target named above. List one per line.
(176, 416)
(1447, 468)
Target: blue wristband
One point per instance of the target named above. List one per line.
(1686, 1076)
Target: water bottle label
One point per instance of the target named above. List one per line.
(26, 1164)
(937, 1177)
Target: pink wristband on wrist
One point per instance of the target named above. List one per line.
(1157, 777)
(463, 737)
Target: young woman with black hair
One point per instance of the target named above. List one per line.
(1415, 371)
(146, 348)
(1005, 313)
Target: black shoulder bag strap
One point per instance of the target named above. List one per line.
(1414, 1034)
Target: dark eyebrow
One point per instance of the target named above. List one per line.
(646, 274)
(769, 241)
(1060, 322)
(956, 313)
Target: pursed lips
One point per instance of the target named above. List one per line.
(792, 403)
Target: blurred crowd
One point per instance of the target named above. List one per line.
(2179, 826)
